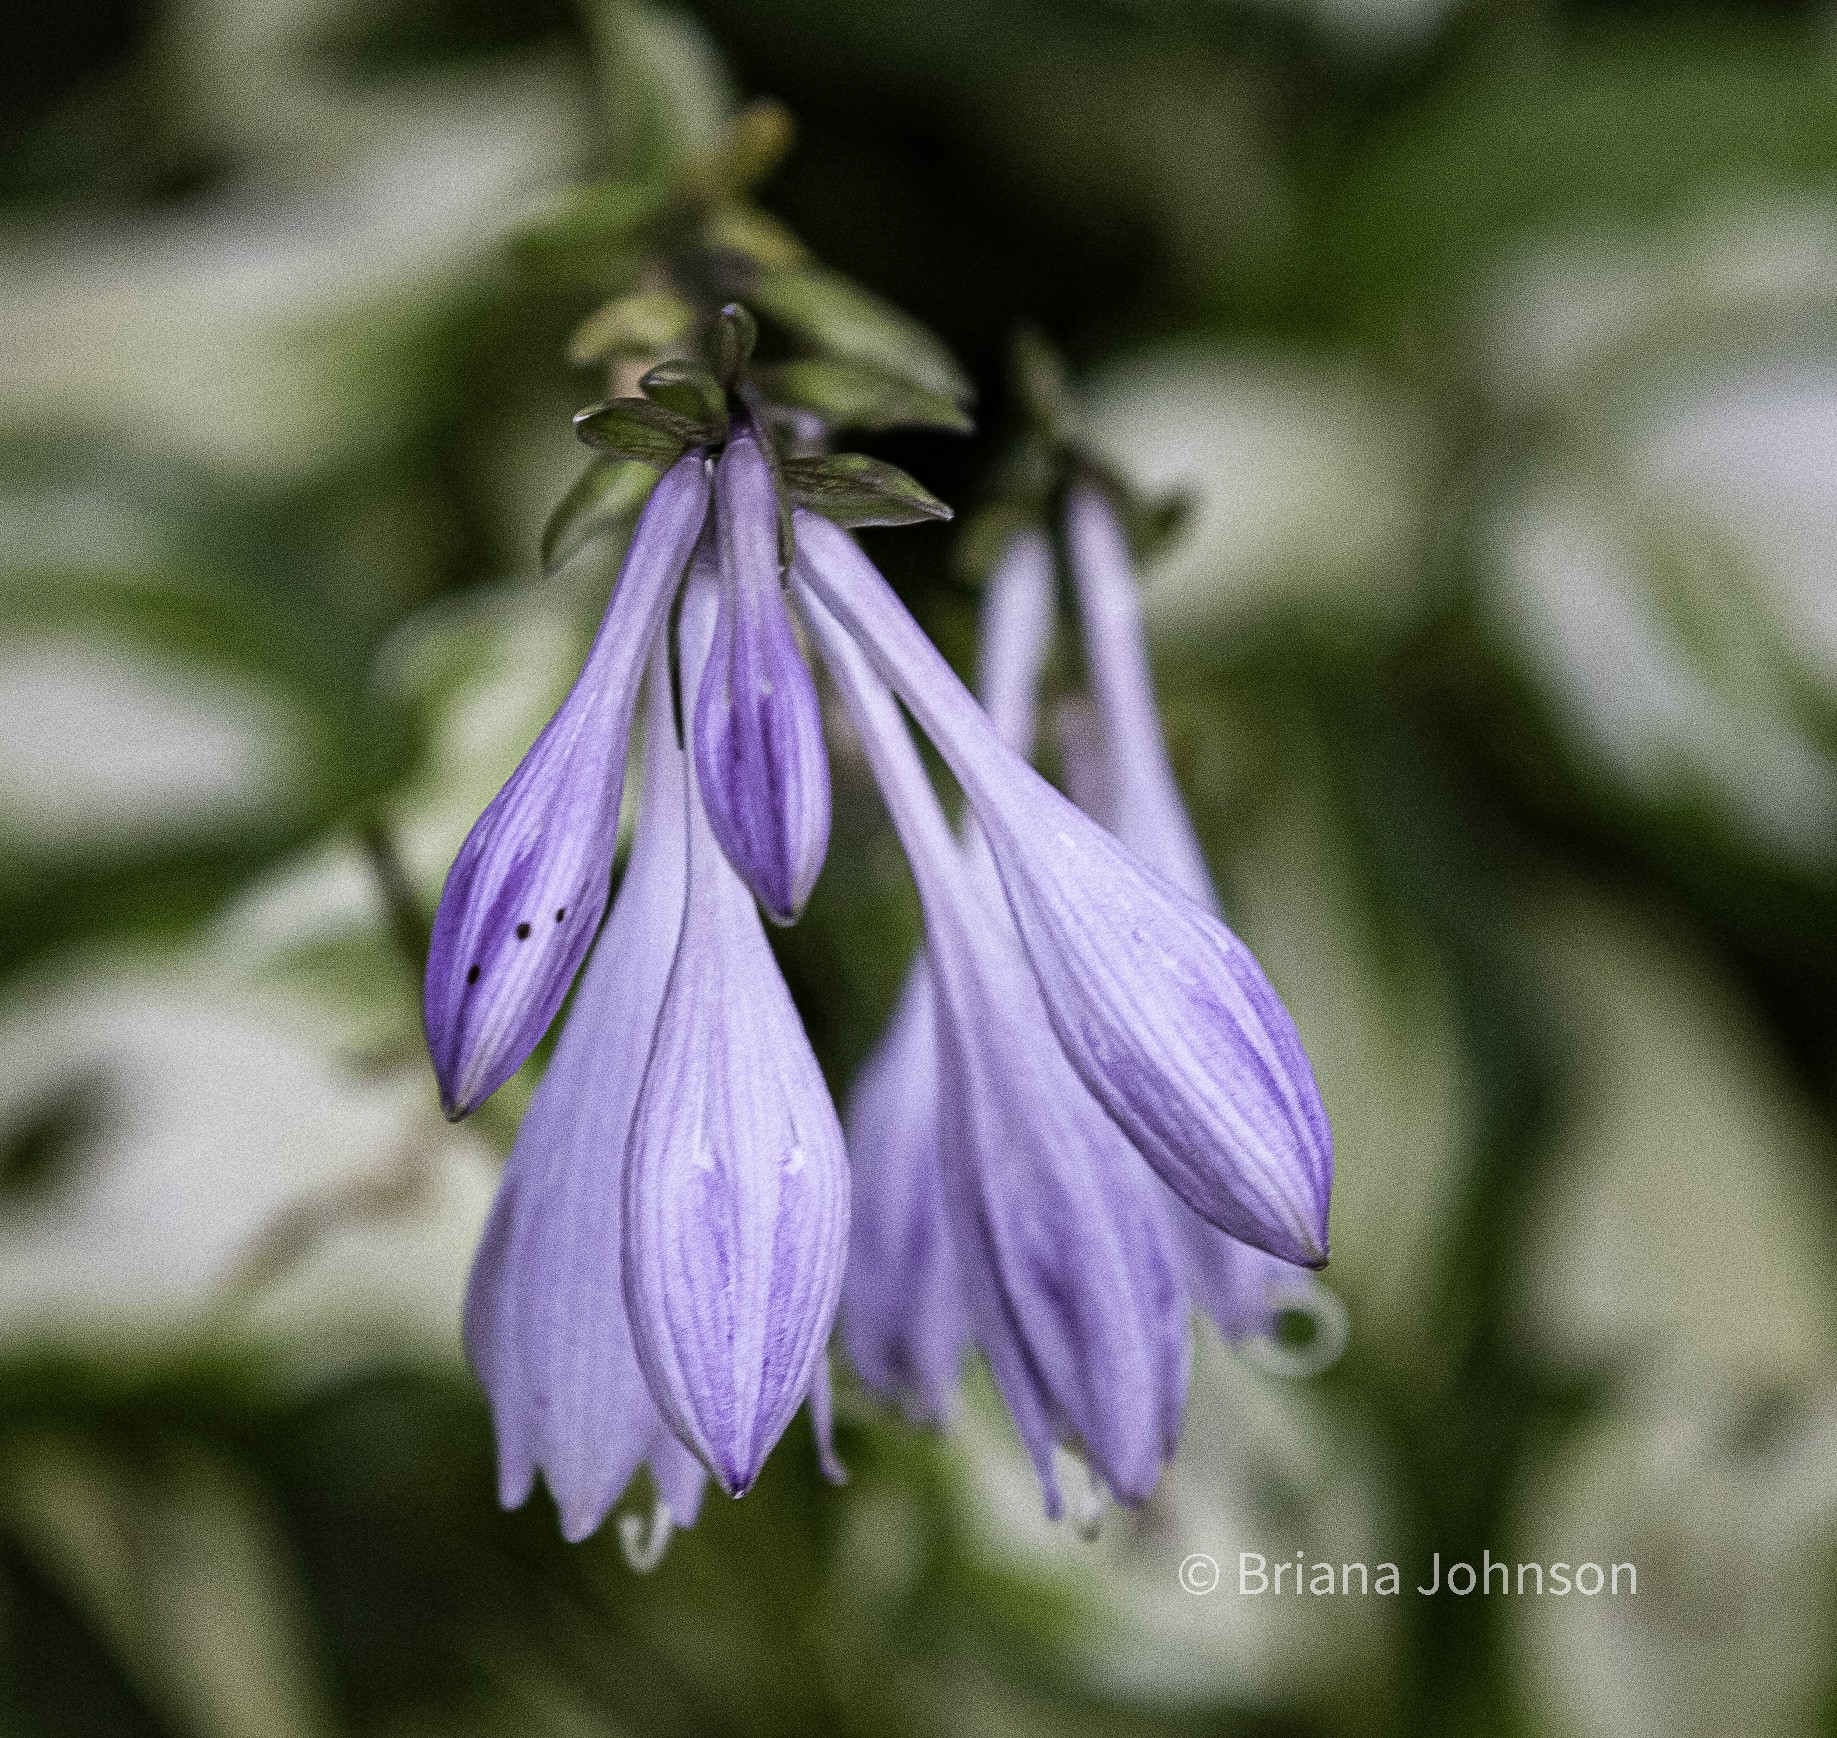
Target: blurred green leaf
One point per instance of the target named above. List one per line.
(597, 233)
(645, 323)
(828, 311)
(850, 395)
(1612, 129)
(667, 95)
(756, 141)
(748, 232)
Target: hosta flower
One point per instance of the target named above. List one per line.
(526, 893)
(736, 1188)
(1117, 767)
(1059, 1232)
(546, 1327)
(660, 1274)
(758, 733)
(891, 1321)
(1161, 1010)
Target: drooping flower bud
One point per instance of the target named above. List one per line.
(526, 893)
(1162, 1011)
(736, 1202)
(758, 729)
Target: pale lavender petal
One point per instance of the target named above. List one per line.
(494, 1344)
(1015, 634)
(736, 1200)
(903, 1319)
(758, 730)
(545, 1316)
(1066, 1254)
(1146, 811)
(903, 1316)
(528, 888)
(1164, 1013)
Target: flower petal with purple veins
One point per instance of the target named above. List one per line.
(736, 1202)
(527, 890)
(758, 729)
(1059, 1230)
(545, 1310)
(1163, 1012)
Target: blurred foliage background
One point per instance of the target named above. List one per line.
(1497, 342)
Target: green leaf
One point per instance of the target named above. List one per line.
(645, 323)
(852, 489)
(850, 395)
(608, 492)
(634, 428)
(985, 537)
(688, 389)
(836, 315)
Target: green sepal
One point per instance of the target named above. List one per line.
(689, 390)
(608, 492)
(634, 428)
(851, 395)
(645, 323)
(851, 489)
(730, 343)
(840, 317)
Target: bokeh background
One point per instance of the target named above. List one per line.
(1497, 344)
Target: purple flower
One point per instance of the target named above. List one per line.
(1058, 1229)
(903, 1318)
(545, 1318)
(758, 730)
(903, 1315)
(528, 888)
(1117, 768)
(736, 1186)
(1161, 1010)
(660, 1273)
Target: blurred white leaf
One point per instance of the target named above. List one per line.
(1310, 480)
(106, 744)
(1663, 563)
(1682, 1242)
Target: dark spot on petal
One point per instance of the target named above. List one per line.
(560, 914)
(471, 974)
(522, 932)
